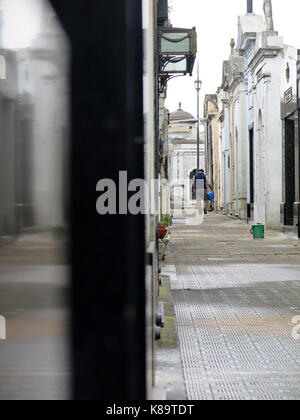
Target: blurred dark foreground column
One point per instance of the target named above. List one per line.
(108, 252)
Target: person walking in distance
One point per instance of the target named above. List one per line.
(201, 184)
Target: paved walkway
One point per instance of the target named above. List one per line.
(235, 299)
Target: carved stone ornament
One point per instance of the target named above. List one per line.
(268, 10)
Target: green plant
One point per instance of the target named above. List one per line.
(165, 220)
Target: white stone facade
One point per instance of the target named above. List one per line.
(251, 127)
(266, 72)
(43, 79)
(183, 157)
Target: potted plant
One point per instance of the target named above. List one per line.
(162, 231)
(163, 225)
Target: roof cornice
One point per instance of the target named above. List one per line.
(263, 53)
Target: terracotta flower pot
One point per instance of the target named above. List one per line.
(162, 231)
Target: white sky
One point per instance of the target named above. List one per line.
(216, 22)
(21, 20)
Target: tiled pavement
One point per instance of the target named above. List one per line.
(235, 299)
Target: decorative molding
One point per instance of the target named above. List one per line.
(263, 53)
(264, 76)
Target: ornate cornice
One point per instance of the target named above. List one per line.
(238, 78)
(262, 54)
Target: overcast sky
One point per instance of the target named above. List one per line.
(216, 22)
(21, 20)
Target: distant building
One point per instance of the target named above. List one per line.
(163, 156)
(183, 155)
(290, 76)
(213, 147)
(8, 145)
(43, 88)
(265, 66)
(245, 152)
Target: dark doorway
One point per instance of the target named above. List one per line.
(251, 165)
(289, 172)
